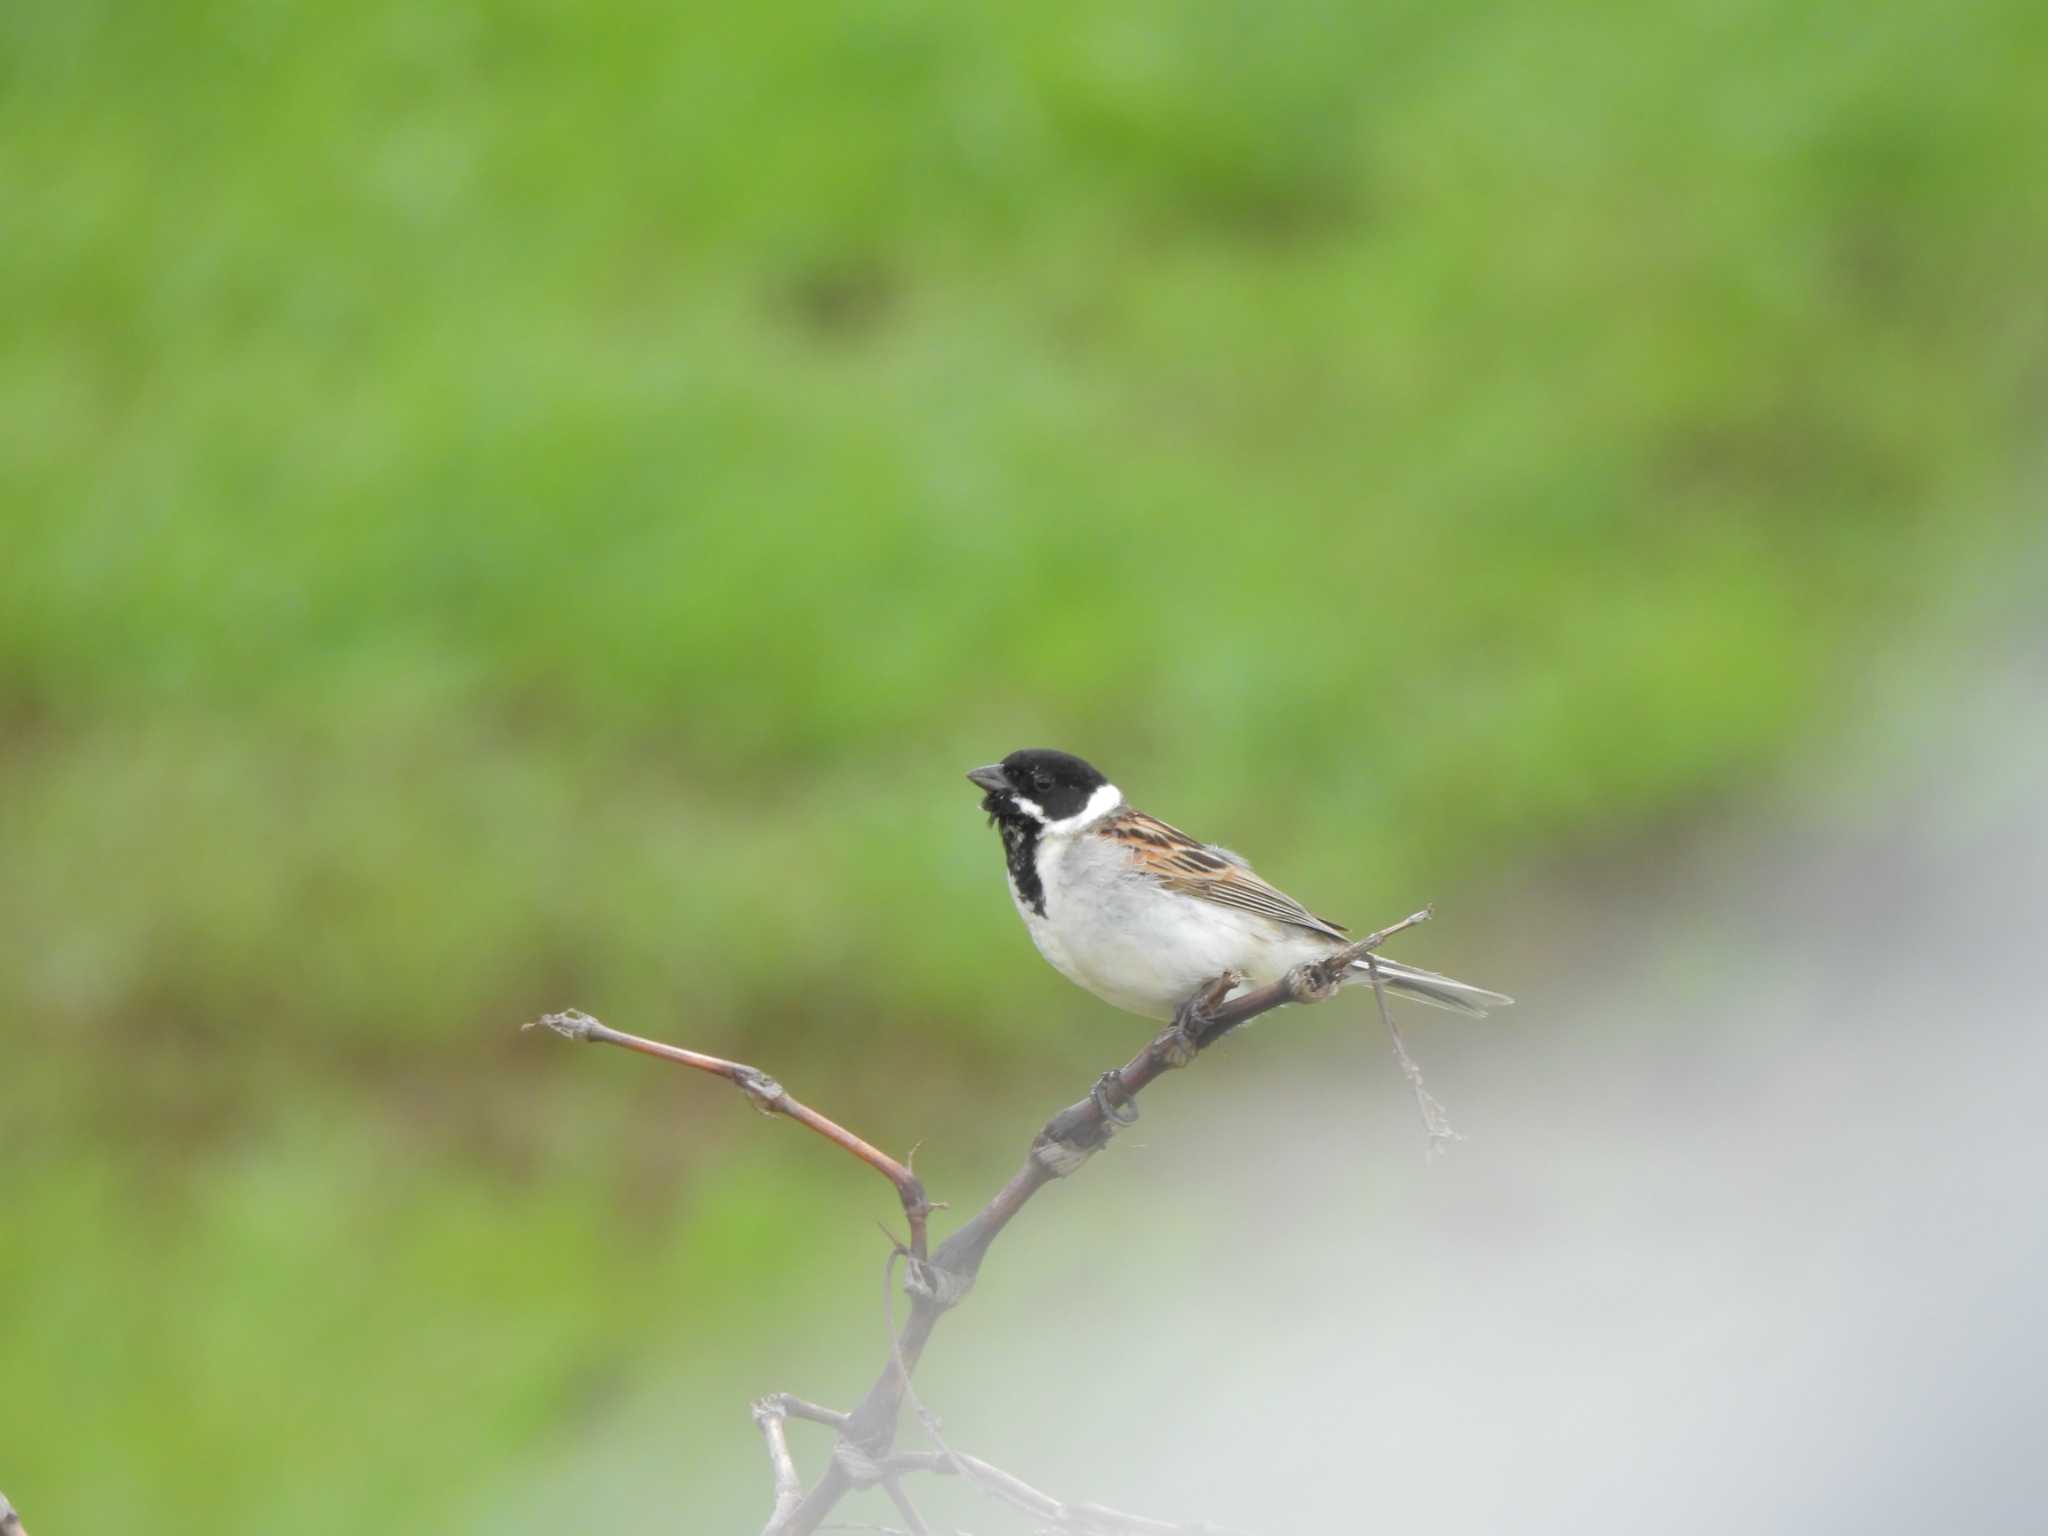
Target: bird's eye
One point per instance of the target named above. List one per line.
(1041, 780)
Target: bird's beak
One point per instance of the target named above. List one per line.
(992, 778)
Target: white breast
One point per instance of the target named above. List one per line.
(1117, 933)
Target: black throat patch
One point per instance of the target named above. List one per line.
(1020, 851)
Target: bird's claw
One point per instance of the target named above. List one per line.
(1114, 1114)
(1193, 1019)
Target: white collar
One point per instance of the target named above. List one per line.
(1107, 797)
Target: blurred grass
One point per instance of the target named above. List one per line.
(519, 505)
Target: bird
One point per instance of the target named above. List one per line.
(1143, 915)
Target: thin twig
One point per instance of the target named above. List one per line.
(1089, 1519)
(768, 1096)
(893, 1486)
(789, 1484)
(799, 1408)
(1436, 1120)
(925, 1417)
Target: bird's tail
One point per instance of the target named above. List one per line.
(1429, 987)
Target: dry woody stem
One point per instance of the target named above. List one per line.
(768, 1096)
(864, 1453)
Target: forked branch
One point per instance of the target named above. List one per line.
(938, 1281)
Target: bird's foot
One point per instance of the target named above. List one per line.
(1195, 1017)
(1114, 1100)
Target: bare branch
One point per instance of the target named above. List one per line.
(789, 1484)
(1086, 1519)
(941, 1280)
(798, 1408)
(768, 1096)
(893, 1486)
(1436, 1120)
(1067, 1141)
(1083, 1128)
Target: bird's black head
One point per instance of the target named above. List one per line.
(1038, 784)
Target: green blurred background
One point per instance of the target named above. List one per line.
(529, 505)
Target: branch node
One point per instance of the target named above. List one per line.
(941, 1288)
(1315, 981)
(858, 1468)
(571, 1024)
(765, 1092)
(916, 1203)
(1060, 1158)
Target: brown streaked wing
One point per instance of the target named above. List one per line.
(1193, 868)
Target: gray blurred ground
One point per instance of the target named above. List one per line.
(1748, 1233)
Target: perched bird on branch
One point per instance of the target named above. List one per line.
(1140, 913)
